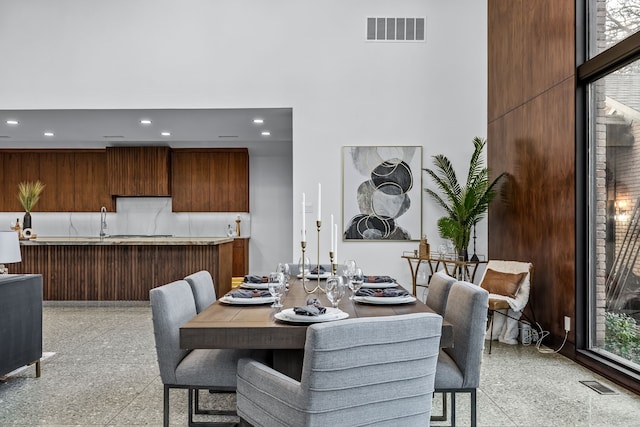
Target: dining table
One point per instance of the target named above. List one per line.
(254, 326)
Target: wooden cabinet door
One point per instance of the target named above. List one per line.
(138, 171)
(210, 180)
(240, 266)
(91, 182)
(75, 181)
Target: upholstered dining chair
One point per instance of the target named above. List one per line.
(204, 293)
(458, 369)
(365, 371)
(439, 287)
(172, 305)
(509, 285)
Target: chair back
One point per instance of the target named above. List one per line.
(466, 310)
(172, 305)
(204, 293)
(513, 267)
(439, 288)
(370, 370)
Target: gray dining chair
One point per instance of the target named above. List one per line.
(204, 293)
(458, 368)
(439, 288)
(366, 371)
(172, 305)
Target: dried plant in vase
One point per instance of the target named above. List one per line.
(29, 194)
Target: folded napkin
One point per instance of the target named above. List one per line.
(252, 278)
(313, 308)
(248, 293)
(389, 292)
(379, 279)
(318, 270)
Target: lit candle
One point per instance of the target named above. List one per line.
(332, 236)
(319, 202)
(304, 225)
(335, 250)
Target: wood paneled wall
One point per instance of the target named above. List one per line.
(531, 113)
(121, 272)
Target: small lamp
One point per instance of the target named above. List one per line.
(9, 249)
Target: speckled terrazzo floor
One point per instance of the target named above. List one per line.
(104, 373)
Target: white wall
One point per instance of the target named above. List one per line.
(309, 55)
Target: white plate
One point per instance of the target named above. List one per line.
(315, 276)
(288, 315)
(254, 285)
(369, 285)
(385, 300)
(246, 301)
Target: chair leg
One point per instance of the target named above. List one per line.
(473, 408)
(442, 417)
(453, 409)
(491, 330)
(193, 407)
(165, 409)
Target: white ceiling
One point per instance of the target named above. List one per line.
(188, 127)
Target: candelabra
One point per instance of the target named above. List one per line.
(334, 267)
(303, 244)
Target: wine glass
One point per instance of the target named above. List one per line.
(307, 267)
(276, 288)
(357, 281)
(285, 269)
(335, 289)
(349, 271)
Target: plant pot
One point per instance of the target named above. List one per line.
(463, 255)
(26, 221)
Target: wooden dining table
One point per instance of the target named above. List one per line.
(223, 325)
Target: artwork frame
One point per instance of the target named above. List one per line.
(381, 193)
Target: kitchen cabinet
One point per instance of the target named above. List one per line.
(139, 171)
(75, 179)
(210, 180)
(240, 266)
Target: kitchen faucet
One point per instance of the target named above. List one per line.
(103, 222)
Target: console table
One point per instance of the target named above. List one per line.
(461, 270)
(20, 321)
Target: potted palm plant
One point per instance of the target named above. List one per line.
(465, 205)
(29, 194)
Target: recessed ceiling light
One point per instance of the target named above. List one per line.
(258, 121)
(12, 122)
(265, 133)
(165, 133)
(145, 122)
(48, 134)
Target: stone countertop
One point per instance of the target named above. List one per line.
(130, 240)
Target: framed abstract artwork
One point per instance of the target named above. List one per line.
(382, 193)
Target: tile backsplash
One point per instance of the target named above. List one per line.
(135, 215)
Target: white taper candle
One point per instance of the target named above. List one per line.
(304, 225)
(319, 202)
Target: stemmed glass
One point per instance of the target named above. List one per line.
(349, 271)
(285, 269)
(335, 289)
(307, 268)
(357, 281)
(276, 288)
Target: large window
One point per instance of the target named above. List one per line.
(612, 83)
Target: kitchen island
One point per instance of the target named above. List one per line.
(121, 268)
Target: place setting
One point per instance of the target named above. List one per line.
(275, 286)
(383, 296)
(313, 312)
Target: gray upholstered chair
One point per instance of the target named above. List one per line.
(366, 371)
(439, 288)
(204, 293)
(459, 366)
(172, 305)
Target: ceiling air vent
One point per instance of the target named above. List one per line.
(396, 29)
